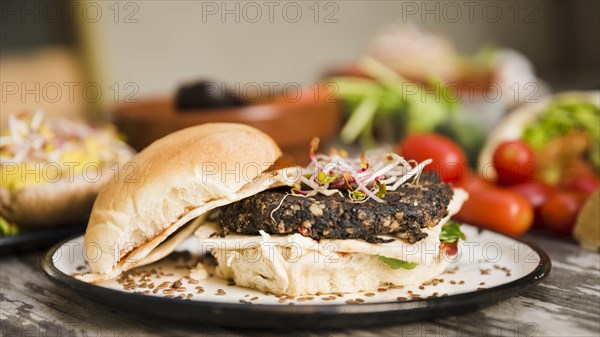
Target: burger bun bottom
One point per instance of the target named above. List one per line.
(316, 273)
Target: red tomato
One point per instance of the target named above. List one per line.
(584, 184)
(474, 183)
(497, 209)
(449, 249)
(515, 162)
(580, 176)
(449, 160)
(537, 194)
(560, 211)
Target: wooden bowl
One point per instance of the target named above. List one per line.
(291, 124)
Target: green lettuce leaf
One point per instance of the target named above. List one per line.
(562, 116)
(451, 232)
(397, 264)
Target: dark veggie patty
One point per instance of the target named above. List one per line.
(407, 210)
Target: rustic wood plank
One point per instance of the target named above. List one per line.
(32, 305)
(567, 303)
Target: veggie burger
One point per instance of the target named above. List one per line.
(337, 225)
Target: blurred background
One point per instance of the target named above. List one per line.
(125, 62)
(158, 45)
(357, 74)
(439, 80)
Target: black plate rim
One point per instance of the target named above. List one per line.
(477, 299)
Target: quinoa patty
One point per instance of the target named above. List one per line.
(407, 210)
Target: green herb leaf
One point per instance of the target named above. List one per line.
(381, 189)
(324, 178)
(357, 195)
(397, 264)
(451, 232)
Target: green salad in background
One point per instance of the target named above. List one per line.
(565, 116)
(384, 107)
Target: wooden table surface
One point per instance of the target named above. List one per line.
(567, 303)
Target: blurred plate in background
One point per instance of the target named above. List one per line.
(37, 239)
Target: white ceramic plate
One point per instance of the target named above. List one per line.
(490, 267)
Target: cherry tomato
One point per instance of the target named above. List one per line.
(583, 184)
(449, 249)
(497, 209)
(537, 194)
(560, 211)
(449, 160)
(580, 176)
(515, 162)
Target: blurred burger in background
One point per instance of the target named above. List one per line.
(52, 169)
(423, 57)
